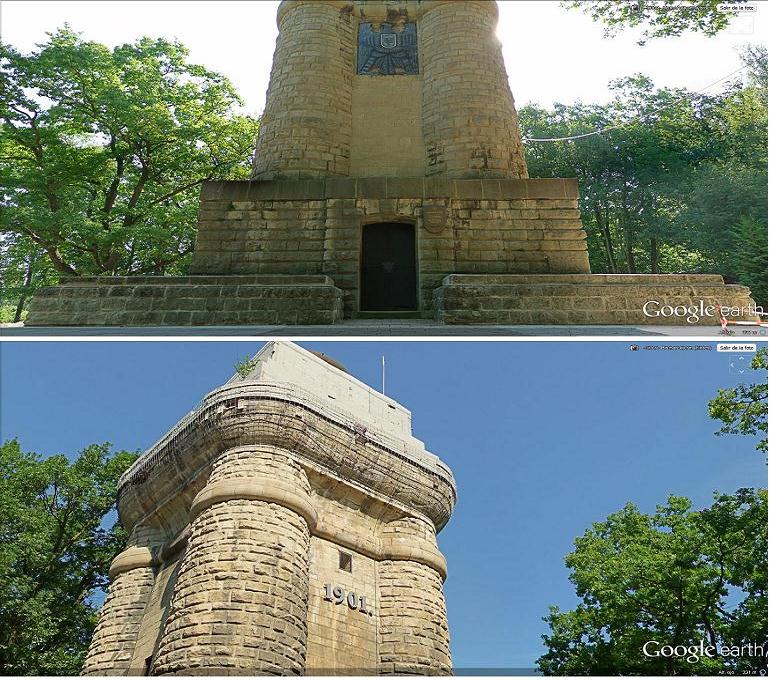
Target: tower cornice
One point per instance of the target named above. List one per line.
(244, 414)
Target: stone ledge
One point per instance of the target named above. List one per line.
(133, 557)
(389, 187)
(218, 280)
(265, 489)
(593, 279)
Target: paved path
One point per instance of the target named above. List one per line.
(382, 327)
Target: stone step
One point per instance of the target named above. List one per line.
(593, 279)
(391, 315)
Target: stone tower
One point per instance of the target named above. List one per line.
(287, 525)
(389, 157)
(389, 180)
(377, 88)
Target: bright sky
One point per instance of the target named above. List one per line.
(544, 438)
(552, 54)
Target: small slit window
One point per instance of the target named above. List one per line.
(345, 561)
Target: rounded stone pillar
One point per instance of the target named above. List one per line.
(132, 575)
(305, 130)
(469, 120)
(240, 603)
(413, 632)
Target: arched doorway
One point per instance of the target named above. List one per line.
(388, 268)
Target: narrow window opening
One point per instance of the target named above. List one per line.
(346, 562)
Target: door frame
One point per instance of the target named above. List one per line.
(388, 219)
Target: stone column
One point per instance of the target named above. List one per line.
(413, 633)
(132, 574)
(469, 120)
(305, 131)
(240, 603)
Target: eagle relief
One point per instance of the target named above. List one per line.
(386, 50)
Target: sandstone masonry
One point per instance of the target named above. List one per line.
(285, 526)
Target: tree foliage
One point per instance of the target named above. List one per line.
(678, 576)
(103, 152)
(744, 409)
(676, 182)
(56, 544)
(659, 18)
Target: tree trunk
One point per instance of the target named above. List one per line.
(27, 283)
(628, 241)
(602, 224)
(654, 256)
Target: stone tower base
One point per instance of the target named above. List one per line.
(486, 251)
(591, 299)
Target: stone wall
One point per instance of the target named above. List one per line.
(589, 299)
(132, 575)
(155, 615)
(342, 640)
(413, 634)
(187, 301)
(387, 136)
(241, 599)
(314, 227)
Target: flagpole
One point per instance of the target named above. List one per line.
(383, 358)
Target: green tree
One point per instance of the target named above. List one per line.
(658, 18)
(673, 577)
(630, 174)
(24, 268)
(675, 181)
(56, 544)
(744, 409)
(104, 151)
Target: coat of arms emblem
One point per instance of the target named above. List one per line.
(387, 49)
(388, 40)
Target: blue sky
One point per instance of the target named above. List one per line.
(544, 438)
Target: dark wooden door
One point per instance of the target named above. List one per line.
(388, 275)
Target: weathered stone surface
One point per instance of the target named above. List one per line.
(249, 504)
(594, 299)
(413, 634)
(132, 577)
(241, 597)
(187, 301)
